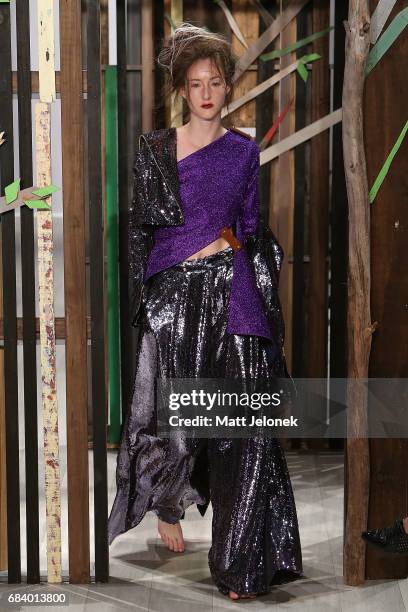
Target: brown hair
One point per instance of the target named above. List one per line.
(189, 43)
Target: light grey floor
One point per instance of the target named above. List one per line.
(146, 576)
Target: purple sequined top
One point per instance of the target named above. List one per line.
(218, 186)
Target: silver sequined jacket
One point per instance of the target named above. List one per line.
(156, 201)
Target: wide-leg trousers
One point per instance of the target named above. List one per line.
(255, 537)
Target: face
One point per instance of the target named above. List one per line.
(206, 89)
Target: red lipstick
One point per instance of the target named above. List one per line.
(209, 105)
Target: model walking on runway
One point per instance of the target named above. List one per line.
(206, 308)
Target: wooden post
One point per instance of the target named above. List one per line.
(176, 13)
(247, 19)
(286, 185)
(146, 22)
(319, 198)
(75, 290)
(46, 290)
(317, 312)
(359, 327)
(48, 348)
(338, 225)
(301, 206)
(99, 395)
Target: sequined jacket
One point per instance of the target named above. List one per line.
(156, 201)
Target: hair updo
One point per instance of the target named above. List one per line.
(189, 43)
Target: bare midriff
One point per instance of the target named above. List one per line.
(217, 245)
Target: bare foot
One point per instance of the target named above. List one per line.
(234, 595)
(171, 535)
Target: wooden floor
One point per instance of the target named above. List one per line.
(146, 576)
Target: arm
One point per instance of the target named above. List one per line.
(140, 236)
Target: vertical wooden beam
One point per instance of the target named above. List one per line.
(159, 119)
(264, 118)
(319, 197)
(99, 395)
(147, 65)
(48, 348)
(104, 32)
(275, 177)
(9, 306)
(274, 217)
(75, 289)
(301, 209)
(176, 13)
(338, 222)
(45, 20)
(317, 306)
(359, 326)
(247, 19)
(166, 33)
(28, 292)
(286, 186)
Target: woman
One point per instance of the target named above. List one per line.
(200, 303)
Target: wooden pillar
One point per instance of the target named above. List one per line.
(317, 314)
(176, 110)
(319, 199)
(45, 247)
(75, 289)
(301, 208)
(147, 50)
(247, 19)
(286, 185)
(338, 224)
(96, 239)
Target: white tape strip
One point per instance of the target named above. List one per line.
(232, 23)
(255, 91)
(300, 136)
(379, 18)
(268, 36)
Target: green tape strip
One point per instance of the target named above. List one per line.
(300, 43)
(306, 59)
(11, 191)
(385, 41)
(44, 192)
(302, 70)
(383, 172)
(39, 204)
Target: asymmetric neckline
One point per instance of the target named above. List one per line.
(201, 148)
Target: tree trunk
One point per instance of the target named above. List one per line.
(359, 328)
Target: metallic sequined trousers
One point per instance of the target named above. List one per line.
(255, 538)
